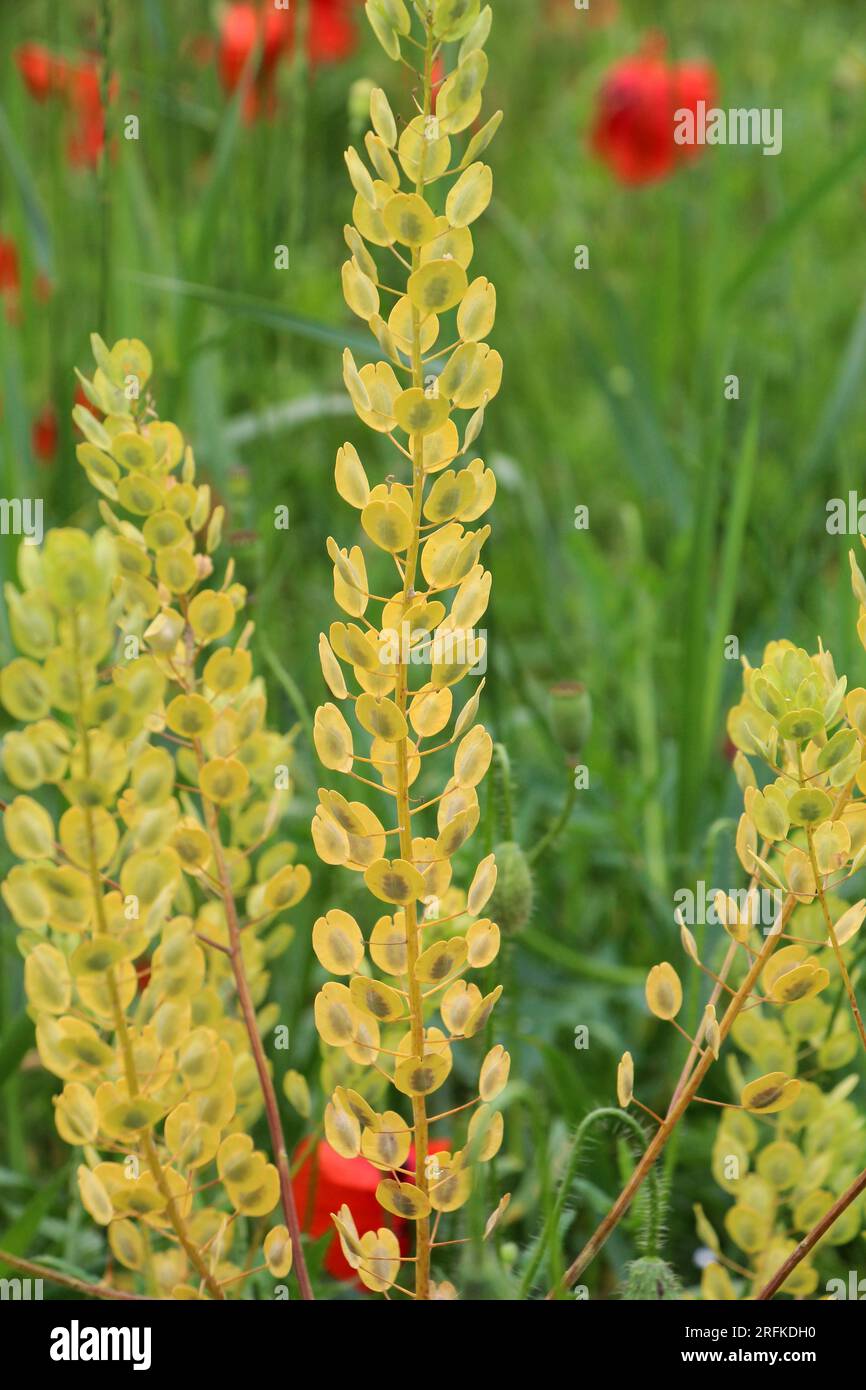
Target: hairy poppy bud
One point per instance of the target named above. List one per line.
(571, 716)
(511, 903)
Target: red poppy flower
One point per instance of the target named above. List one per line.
(331, 38)
(242, 27)
(323, 1184)
(43, 74)
(633, 131)
(44, 434)
(10, 279)
(80, 86)
(332, 31)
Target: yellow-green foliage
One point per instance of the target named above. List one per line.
(393, 664)
(803, 835)
(145, 897)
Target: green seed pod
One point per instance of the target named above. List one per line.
(651, 1280)
(510, 905)
(571, 717)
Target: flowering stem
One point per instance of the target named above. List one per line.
(79, 1285)
(811, 1240)
(404, 813)
(278, 1143)
(660, 1139)
(837, 951)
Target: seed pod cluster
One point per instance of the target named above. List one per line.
(151, 888)
(790, 1142)
(409, 990)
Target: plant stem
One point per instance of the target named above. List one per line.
(837, 950)
(811, 1240)
(404, 813)
(662, 1135)
(68, 1282)
(269, 1096)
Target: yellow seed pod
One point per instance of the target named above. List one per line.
(379, 1254)
(409, 219)
(69, 897)
(211, 615)
(26, 898)
(350, 477)
(473, 757)
(342, 1131)
(359, 292)
(470, 195)
(235, 1159)
(386, 1140)
(424, 140)
(440, 961)
(260, 1194)
(430, 711)
(459, 98)
(481, 1013)
(482, 885)
(297, 1093)
(331, 670)
(850, 922)
(29, 829)
(335, 1015)
(771, 1093)
(486, 1132)
(664, 993)
(190, 716)
(333, 739)
(437, 286)
(482, 943)
(457, 1006)
(388, 945)
(287, 887)
(165, 529)
(278, 1251)
(382, 117)
(94, 1197)
(494, 1073)
(803, 982)
(47, 979)
(127, 1244)
(191, 845)
(381, 717)
(781, 1164)
(625, 1080)
(378, 1000)
(401, 326)
(421, 1076)
(75, 1115)
(338, 943)
(716, 1284)
(227, 672)
(402, 1199)
(139, 494)
(360, 177)
(394, 881)
(224, 781)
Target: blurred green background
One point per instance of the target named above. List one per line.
(707, 516)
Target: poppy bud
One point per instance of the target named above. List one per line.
(571, 717)
(511, 903)
(651, 1280)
